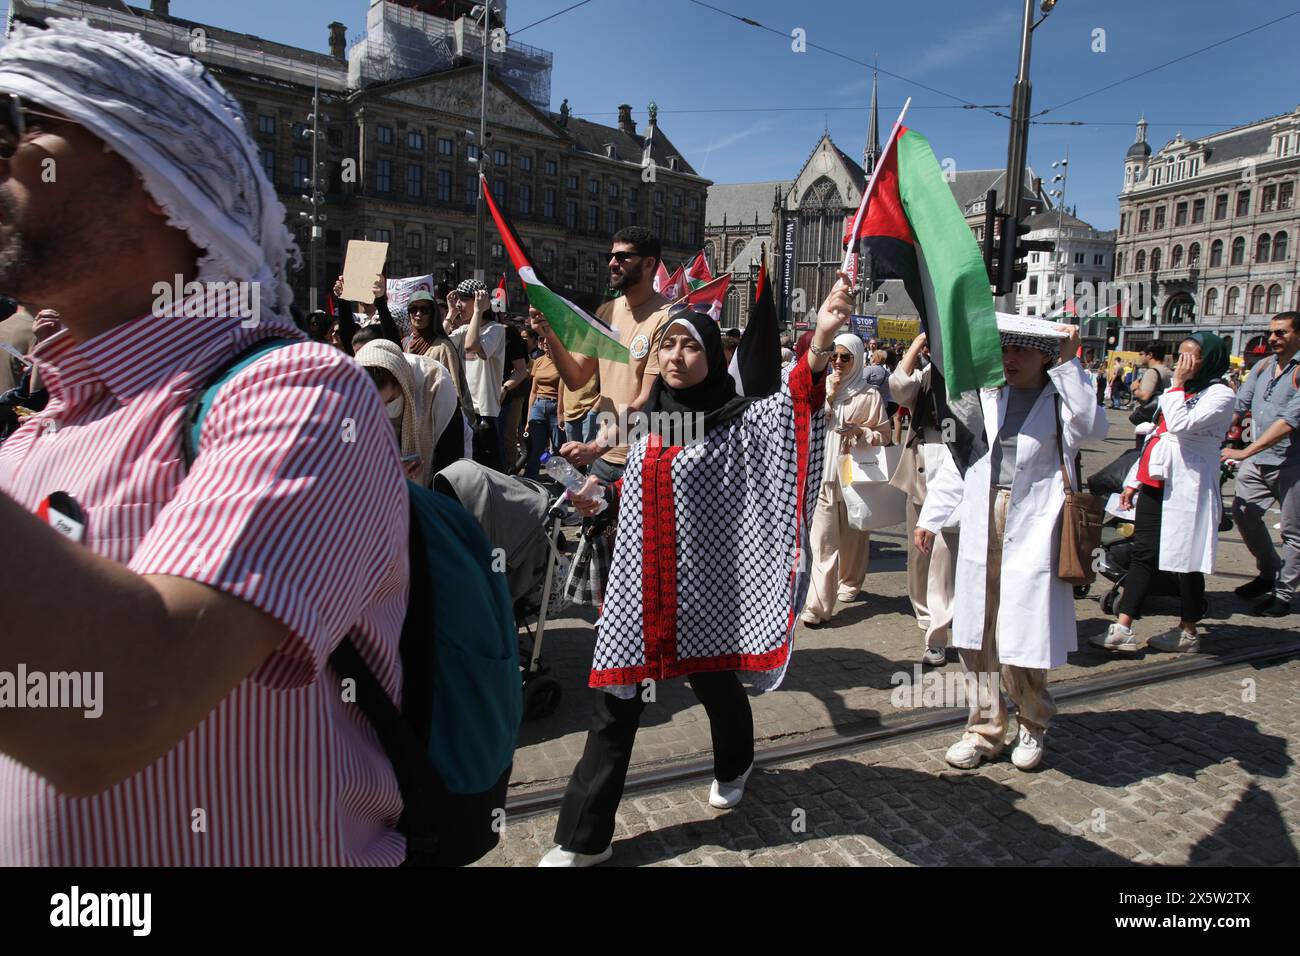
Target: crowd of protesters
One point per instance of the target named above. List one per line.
(198, 582)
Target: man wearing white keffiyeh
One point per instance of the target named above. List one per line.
(184, 138)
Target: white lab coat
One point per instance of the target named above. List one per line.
(1187, 459)
(1037, 619)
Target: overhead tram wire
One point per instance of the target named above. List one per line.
(1179, 59)
(580, 3)
(749, 21)
(783, 109)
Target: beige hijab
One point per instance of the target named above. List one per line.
(418, 434)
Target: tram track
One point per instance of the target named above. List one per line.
(830, 741)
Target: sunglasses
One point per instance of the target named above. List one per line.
(420, 310)
(622, 257)
(13, 123)
(837, 357)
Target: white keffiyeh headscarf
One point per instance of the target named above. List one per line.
(181, 131)
(853, 380)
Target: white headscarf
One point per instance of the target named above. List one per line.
(417, 429)
(184, 135)
(853, 381)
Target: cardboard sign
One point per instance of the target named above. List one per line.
(401, 290)
(364, 262)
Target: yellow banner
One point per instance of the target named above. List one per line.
(903, 329)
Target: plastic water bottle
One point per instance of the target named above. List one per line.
(572, 479)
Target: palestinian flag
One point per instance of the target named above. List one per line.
(708, 298)
(911, 228)
(579, 331)
(698, 273)
(676, 284)
(499, 300)
(756, 366)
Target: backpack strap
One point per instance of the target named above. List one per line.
(196, 410)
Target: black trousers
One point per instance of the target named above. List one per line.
(1144, 564)
(586, 823)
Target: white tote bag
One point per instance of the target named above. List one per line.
(870, 500)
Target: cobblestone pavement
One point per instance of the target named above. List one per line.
(842, 674)
(1198, 770)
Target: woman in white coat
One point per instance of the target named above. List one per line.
(856, 417)
(1012, 615)
(1175, 487)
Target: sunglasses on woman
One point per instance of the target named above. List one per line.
(13, 123)
(420, 310)
(841, 357)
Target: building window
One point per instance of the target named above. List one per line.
(471, 153)
(383, 175)
(1216, 253)
(1243, 202)
(548, 257)
(677, 200)
(1194, 255)
(302, 172)
(1274, 299)
(1198, 211)
(469, 247)
(444, 185)
(692, 233)
(1238, 251)
(499, 157)
(266, 124)
(525, 199)
(611, 220)
(548, 203)
(1211, 301)
(1160, 217)
(550, 167)
(1140, 262)
(613, 189)
(1220, 207)
(1033, 285)
(571, 215)
(415, 140)
(1119, 263)
(1284, 193)
(694, 203)
(1262, 246)
(675, 234)
(1176, 257)
(1098, 259)
(415, 181)
(1144, 220)
(593, 187)
(1123, 223)
(383, 235)
(471, 191)
(446, 147)
(571, 182)
(442, 244)
(268, 164)
(385, 134)
(1279, 247)
(1257, 300)
(659, 224)
(500, 191)
(593, 218)
(498, 250)
(1268, 199)
(526, 163)
(659, 197)
(1180, 214)
(1155, 260)
(1230, 303)
(414, 241)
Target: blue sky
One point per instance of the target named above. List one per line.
(687, 57)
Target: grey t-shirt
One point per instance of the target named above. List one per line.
(1004, 451)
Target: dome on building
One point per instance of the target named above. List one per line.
(1138, 151)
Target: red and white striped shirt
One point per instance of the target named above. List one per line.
(297, 505)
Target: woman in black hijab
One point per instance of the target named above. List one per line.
(707, 576)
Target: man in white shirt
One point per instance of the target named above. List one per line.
(483, 342)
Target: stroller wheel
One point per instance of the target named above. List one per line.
(1081, 591)
(541, 696)
(1109, 600)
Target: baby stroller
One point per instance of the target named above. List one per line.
(1116, 535)
(523, 525)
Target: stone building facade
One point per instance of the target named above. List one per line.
(1208, 228)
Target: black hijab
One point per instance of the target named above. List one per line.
(715, 398)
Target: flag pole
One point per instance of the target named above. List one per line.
(850, 256)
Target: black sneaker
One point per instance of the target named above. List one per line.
(1255, 589)
(1273, 607)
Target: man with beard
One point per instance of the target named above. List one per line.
(637, 318)
(184, 601)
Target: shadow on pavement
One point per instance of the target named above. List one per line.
(1254, 833)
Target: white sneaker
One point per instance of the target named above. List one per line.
(562, 857)
(1029, 749)
(1176, 641)
(934, 657)
(724, 796)
(964, 755)
(1117, 638)
(811, 619)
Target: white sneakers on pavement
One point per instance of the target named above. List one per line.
(562, 857)
(724, 796)
(934, 657)
(965, 754)
(1029, 749)
(1175, 641)
(1117, 638)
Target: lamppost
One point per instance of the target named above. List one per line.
(314, 198)
(1060, 252)
(482, 11)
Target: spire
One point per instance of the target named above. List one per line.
(871, 155)
(1142, 129)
